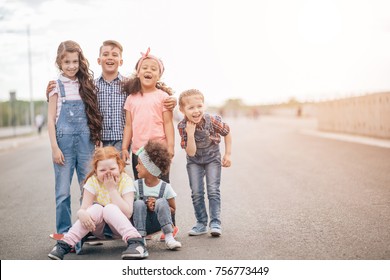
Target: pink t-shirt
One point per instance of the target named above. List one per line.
(147, 115)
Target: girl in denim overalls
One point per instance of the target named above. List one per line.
(200, 137)
(74, 126)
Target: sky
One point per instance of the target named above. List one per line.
(261, 51)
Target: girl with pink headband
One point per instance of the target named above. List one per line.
(146, 117)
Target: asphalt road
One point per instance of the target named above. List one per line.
(287, 196)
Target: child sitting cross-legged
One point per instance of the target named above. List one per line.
(155, 199)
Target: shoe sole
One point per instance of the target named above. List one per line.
(173, 248)
(134, 257)
(191, 233)
(53, 257)
(215, 234)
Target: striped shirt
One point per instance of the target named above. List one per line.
(71, 88)
(217, 129)
(111, 101)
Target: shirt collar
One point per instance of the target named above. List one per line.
(64, 79)
(119, 77)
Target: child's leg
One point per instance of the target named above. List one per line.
(119, 223)
(139, 216)
(164, 215)
(63, 179)
(196, 174)
(164, 218)
(78, 231)
(213, 179)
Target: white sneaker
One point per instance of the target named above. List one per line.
(172, 244)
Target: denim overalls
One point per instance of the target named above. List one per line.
(206, 162)
(73, 138)
(147, 222)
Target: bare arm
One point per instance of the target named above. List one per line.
(83, 216)
(226, 161)
(127, 136)
(57, 155)
(172, 205)
(169, 131)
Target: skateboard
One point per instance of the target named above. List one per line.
(93, 240)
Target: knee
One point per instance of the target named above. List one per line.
(161, 203)
(96, 212)
(139, 205)
(109, 209)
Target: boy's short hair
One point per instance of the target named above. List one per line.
(112, 43)
(187, 93)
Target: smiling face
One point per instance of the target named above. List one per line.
(106, 166)
(193, 108)
(149, 74)
(70, 64)
(110, 59)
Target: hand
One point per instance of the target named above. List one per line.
(170, 103)
(58, 156)
(171, 151)
(151, 203)
(110, 181)
(86, 220)
(226, 162)
(126, 156)
(190, 128)
(50, 86)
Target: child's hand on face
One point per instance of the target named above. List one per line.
(190, 128)
(110, 181)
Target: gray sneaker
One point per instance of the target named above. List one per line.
(215, 231)
(198, 229)
(60, 250)
(135, 250)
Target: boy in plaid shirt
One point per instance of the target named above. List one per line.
(200, 136)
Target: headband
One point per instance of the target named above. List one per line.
(146, 161)
(149, 56)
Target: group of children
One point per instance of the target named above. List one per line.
(100, 121)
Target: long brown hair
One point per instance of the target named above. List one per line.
(103, 153)
(87, 87)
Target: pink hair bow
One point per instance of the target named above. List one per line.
(147, 55)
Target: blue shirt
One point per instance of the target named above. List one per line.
(111, 101)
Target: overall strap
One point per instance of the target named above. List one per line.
(62, 89)
(162, 189)
(141, 189)
(207, 125)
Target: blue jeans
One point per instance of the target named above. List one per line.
(206, 163)
(77, 150)
(147, 222)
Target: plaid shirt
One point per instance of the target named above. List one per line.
(111, 101)
(218, 128)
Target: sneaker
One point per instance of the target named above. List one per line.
(135, 249)
(198, 229)
(59, 251)
(215, 231)
(175, 232)
(172, 244)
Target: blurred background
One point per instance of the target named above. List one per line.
(328, 60)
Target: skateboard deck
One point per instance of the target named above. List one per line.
(93, 240)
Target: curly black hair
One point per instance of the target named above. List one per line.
(158, 154)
